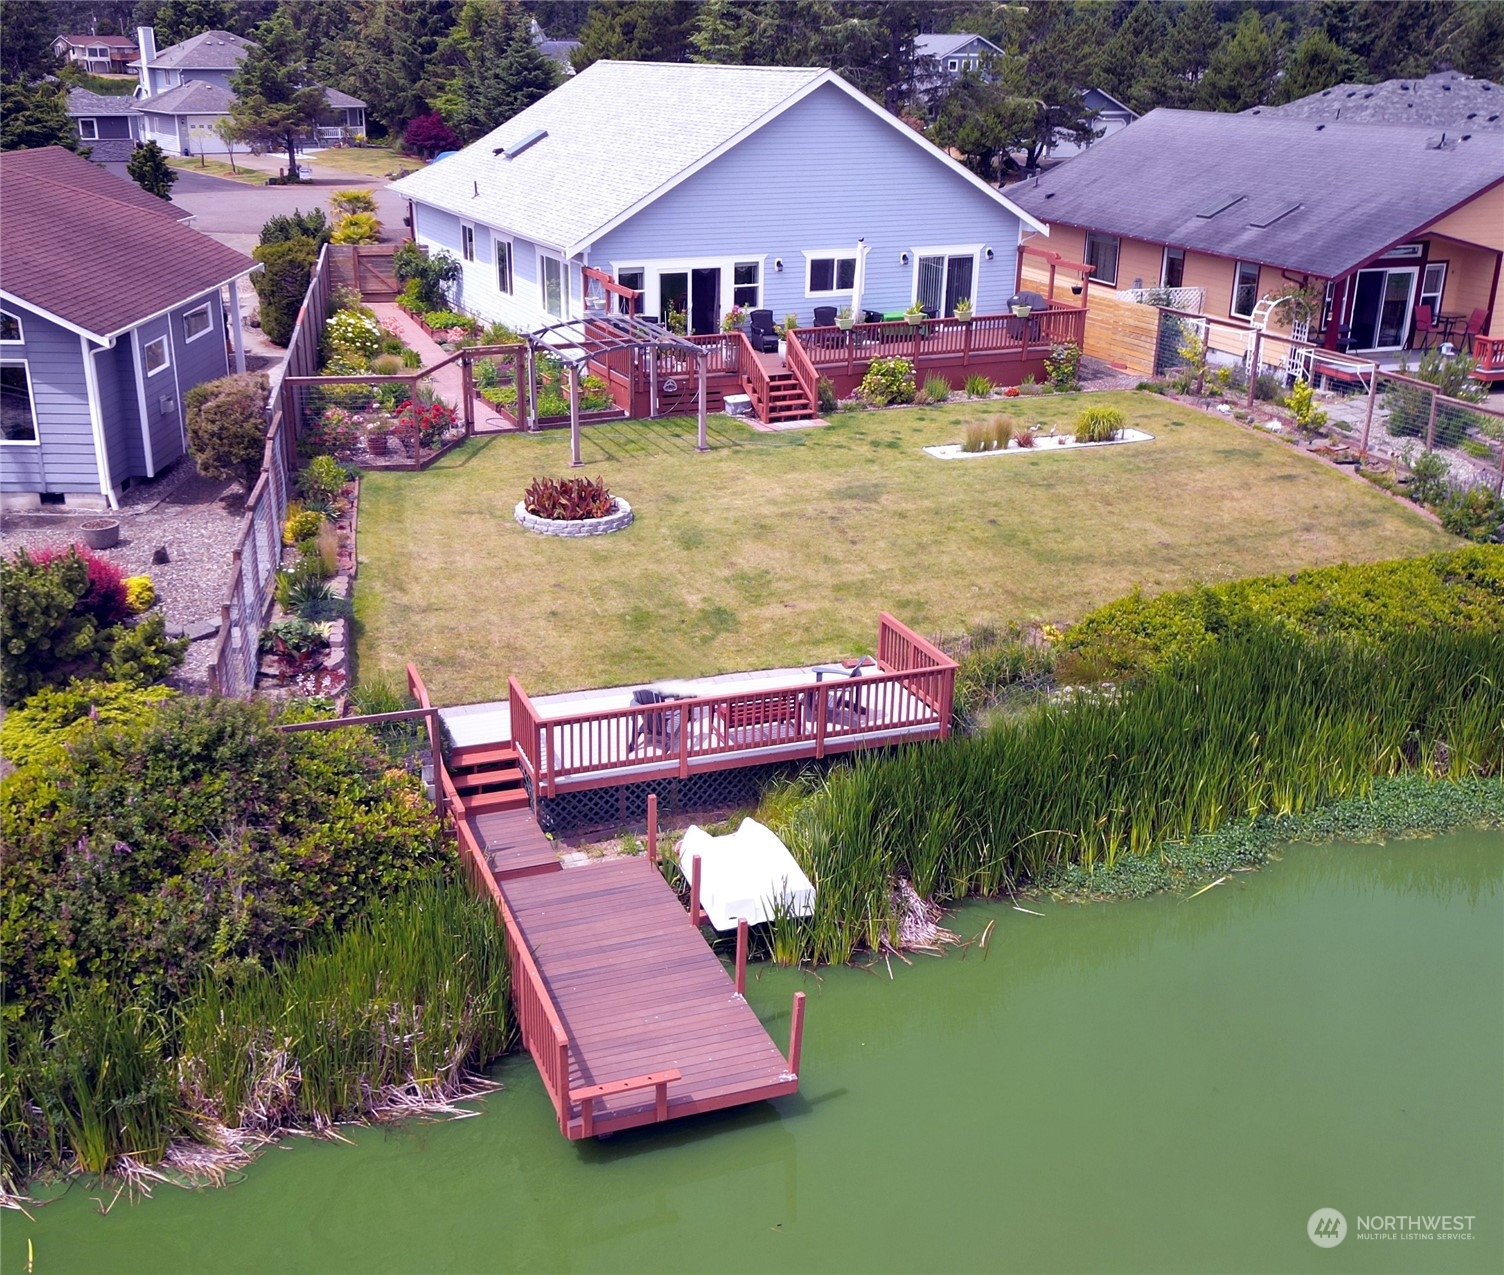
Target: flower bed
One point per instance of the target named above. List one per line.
(618, 520)
(572, 507)
(1041, 443)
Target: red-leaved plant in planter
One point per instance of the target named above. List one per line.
(428, 423)
(106, 599)
(568, 499)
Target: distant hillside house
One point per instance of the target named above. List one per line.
(108, 126)
(943, 59)
(1109, 116)
(1381, 218)
(704, 187)
(185, 92)
(1447, 99)
(555, 50)
(93, 372)
(97, 54)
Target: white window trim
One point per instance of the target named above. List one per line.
(208, 312)
(972, 250)
(1440, 293)
(1117, 263)
(20, 337)
(652, 301)
(563, 285)
(811, 255)
(953, 65)
(1164, 266)
(93, 125)
(497, 243)
(166, 354)
(1237, 275)
(31, 393)
(467, 234)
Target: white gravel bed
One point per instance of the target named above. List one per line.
(1042, 443)
(197, 520)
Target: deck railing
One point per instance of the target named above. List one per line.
(911, 695)
(796, 357)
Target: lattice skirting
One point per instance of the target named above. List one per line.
(628, 803)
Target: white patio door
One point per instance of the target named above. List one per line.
(1382, 301)
(942, 281)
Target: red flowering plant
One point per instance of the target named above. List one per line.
(1011, 392)
(425, 423)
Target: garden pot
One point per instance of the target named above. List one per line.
(914, 320)
(1022, 311)
(100, 533)
(963, 318)
(845, 324)
(1075, 289)
(378, 444)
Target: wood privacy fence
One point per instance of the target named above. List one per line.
(1123, 333)
(258, 551)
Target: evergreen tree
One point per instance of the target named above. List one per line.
(1131, 67)
(1475, 39)
(496, 69)
(390, 56)
(35, 115)
(1243, 68)
(173, 21)
(149, 169)
(27, 29)
(721, 33)
(1317, 63)
(980, 118)
(638, 31)
(275, 104)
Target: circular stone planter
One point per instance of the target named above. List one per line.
(618, 521)
(100, 533)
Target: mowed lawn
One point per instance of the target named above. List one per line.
(776, 549)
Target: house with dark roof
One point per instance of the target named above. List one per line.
(1446, 99)
(1381, 218)
(109, 127)
(185, 93)
(93, 373)
(776, 188)
(945, 57)
(1108, 116)
(97, 54)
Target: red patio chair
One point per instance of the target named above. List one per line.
(1474, 327)
(1425, 327)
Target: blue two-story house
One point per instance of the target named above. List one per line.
(93, 370)
(706, 186)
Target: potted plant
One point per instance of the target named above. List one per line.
(734, 319)
(845, 319)
(100, 533)
(378, 440)
(915, 315)
(1023, 311)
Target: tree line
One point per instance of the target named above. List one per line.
(469, 65)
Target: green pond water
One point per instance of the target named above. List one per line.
(1165, 1085)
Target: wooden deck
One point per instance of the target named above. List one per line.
(629, 1016)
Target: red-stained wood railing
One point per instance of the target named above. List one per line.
(901, 649)
(796, 359)
(525, 732)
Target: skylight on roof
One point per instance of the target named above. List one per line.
(1264, 222)
(521, 144)
(1222, 207)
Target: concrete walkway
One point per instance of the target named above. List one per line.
(448, 381)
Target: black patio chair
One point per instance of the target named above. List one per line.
(658, 730)
(760, 332)
(825, 316)
(872, 316)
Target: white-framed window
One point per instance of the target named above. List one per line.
(1102, 253)
(953, 65)
(504, 278)
(18, 407)
(1172, 272)
(1433, 284)
(1245, 290)
(829, 273)
(746, 284)
(154, 356)
(196, 322)
(88, 130)
(10, 329)
(636, 278)
(551, 284)
(467, 242)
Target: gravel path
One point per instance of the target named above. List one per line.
(196, 519)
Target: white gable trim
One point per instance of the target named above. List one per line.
(828, 77)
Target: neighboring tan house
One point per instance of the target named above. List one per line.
(704, 186)
(93, 372)
(185, 93)
(109, 127)
(1381, 217)
(97, 54)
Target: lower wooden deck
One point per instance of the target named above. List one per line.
(638, 992)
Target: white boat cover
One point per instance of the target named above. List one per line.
(745, 874)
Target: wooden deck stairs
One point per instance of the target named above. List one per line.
(786, 401)
(487, 778)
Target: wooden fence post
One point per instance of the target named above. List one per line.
(1253, 366)
(1373, 394)
(741, 956)
(796, 1033)
(467, 392)
(653, 828)
(694, 891)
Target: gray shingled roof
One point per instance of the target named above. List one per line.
(1444, 100)
(341, 99)
(211, 51)
(81, 102)
(1314, 197)
(945, 43)
(196, 97)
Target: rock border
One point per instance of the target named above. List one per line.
(619, 521)
(1042, 443)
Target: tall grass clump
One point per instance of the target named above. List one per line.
(1267, 722)
(1099, 424)
(978, 437)
(978, 386)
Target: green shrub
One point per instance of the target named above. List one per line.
(1269, 389)
(1463, 589)
(448, 319)
(323, 478)
(387, 365)
(301, 524)
(1099, 424)
(978, 386)
(227, 426)
(282, 284)
(195, 839)
(358, 227)
(1430, 477)
(937, 389)
(142, 653)
(285, 227)
(352, 330)
(1062, 368)
(411, 298)
(1301, 401)
(346, 202)
(428, 274)
(1409, 406)
(1475, 513)
(47, 721)
(888, 381)
(825, 394)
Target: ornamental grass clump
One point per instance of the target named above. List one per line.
(978, 437)
(1099, 424)
(569, 499)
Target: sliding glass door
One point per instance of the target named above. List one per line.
(944, 280)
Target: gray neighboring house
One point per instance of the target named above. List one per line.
(108, 126)
(946, 57)
(1447, 99)
(555, 50)
(93, 370)
(1110, 116)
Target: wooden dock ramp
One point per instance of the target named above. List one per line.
(629, 1016)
